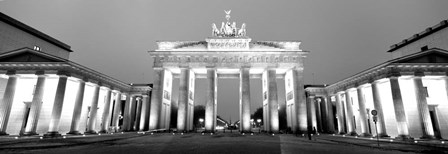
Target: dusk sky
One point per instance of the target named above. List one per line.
(344, 36)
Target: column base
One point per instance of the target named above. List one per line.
(74, 132)
(342, 133)
(365, 135)
(3, 134)
(52, 135)
(103, 131)
(404, 138)
(383, 136)
(246, 131)
(352, 134)
(428, 137)
(29, 134)
(91, 132)
(209, 131)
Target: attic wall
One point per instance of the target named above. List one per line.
(13, 38)
(435, 40)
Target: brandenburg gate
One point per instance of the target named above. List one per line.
(228, 53)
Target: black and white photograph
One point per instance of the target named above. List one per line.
(223, 76)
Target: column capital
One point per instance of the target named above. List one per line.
(419, 73)
(40, 73)
(11, 72)
(63, 74)
(210, 67)
(145, 95)
(393, 74)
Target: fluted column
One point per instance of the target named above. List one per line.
(156, 99)
(184, 83)
(36, 105)
(53, 129)
(244, 100)
(319, 118)
(273, 100)
(311, 113)
(74, 128)
(349, 118)
(362, 112)
(400, 114)
(106, 112)
(138, 112)
(133, 108)
(330, 114)
(210, 115)
(8, 98)
(340, 114)
(422, 106)
(93, 110)
(379, 108)
(144, 114)
(127, 114)
(117, 109)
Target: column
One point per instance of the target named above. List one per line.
(422, 106)
(106, 112)
(273, 100)
(57, 107)
(349, 118)
(319, 118)
(244, 100)
(144, 114)
(74, 128)
(117, 109)
(138, 112)
(134, 104)
(212, 96)
(183, 100)
(330, 114)
(156, 99)
(127, 114)
(379, 108)
(311, 114)
(339, 114)
(323, 114)
(93, 110)
(36, 104)
(400, 115)
(8, 98)
(362, 112)
(300, 101)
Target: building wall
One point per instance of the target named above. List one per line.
(12, 38)
(435, 40)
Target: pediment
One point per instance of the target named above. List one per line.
(28, 56)
(432, 56)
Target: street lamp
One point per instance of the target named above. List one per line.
(258, 121)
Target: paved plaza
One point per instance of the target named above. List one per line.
(217, 143)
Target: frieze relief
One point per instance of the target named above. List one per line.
(228, 59)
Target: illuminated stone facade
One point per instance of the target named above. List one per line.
(409, 93)
(229, 53)
(44, 93)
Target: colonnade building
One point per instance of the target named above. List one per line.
(43, 92)
(408, 92)
(228, 53)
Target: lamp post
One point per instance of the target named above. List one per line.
(258, 122)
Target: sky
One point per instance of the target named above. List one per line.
(344, 37)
